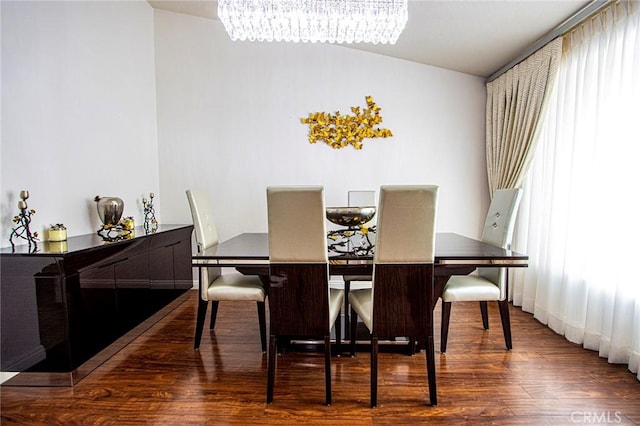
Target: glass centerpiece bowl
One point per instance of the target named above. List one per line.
(350, 216)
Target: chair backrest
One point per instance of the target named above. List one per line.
(361, 198)
(205, 231)
(203, 223)
(298, 257)
(498, 230)
(501, 217)
(406, 224)
(403, 261)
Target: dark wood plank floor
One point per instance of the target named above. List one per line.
(159, 379)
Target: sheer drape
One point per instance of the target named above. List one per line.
(579, 218)
(515, 101)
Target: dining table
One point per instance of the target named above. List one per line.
(455, 254)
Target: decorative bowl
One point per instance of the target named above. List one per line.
(350, 216)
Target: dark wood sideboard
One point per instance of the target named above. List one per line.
(71, 305)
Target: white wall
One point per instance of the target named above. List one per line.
(79, 119)
(229, 123)
(78, 109)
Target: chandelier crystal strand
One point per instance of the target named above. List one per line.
(332, 21)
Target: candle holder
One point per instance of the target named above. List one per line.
(112, 233)
(23, 220)
(57, 232)
(150, 222)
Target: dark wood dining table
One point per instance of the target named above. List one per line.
(455, 254)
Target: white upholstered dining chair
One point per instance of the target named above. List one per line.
(400, 302)
(490, 284)
(301, 303)
(214, 285)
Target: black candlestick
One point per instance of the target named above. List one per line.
(23, 219)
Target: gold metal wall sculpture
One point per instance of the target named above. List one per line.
(339, 131)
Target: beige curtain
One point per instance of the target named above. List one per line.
(515, 102)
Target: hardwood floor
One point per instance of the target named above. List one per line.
(159, 379)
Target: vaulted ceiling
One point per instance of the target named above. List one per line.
(475, 37)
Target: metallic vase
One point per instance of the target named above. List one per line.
(109, 209)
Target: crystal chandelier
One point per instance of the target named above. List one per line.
(333, 21)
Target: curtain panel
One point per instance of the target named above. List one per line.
(579, 213)
(515, 102)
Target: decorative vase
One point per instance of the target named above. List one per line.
(109, 209)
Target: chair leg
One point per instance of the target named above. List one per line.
(214, 314)
(374, 372)
(327, 369)
(263, 326)
(338, 329)
(444, 326)
(412, 346)
(431, 371)
(485, 315)
(354, 325)
(271, 368)
(347, 320)
(506, 322)
(202, 313)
